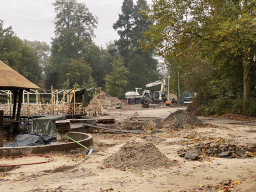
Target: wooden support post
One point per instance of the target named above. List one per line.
(1, 128)
(14, 103)
(52, 100)
(37, 97)
(10, 102)
(28, 104)
(74, 100)
(20, 93)
(23, 100)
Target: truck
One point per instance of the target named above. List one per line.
(134, 97)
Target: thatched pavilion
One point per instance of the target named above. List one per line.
(16, 83)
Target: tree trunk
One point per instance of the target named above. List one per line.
(246, 68)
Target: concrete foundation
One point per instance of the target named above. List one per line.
(83, 138)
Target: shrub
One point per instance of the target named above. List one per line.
(251, 107)
(237, 107)
(224, 104)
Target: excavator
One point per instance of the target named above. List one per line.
(145, 97)
(157, 97)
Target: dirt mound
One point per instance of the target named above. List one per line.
(107, 100)
(138, 155)
(183, 119)
(144, 123)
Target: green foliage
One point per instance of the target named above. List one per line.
(206, 110)
(90, 83)
(74, 26)
(219, 33)
(130, 27)
(142, 70)
(124, 26)
(100, 61)
(223, 105)
(19, 56)
(251, 107)
(117, 79)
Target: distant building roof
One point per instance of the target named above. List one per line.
(10, 78)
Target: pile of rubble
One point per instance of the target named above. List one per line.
(224, 149)
(138, 155)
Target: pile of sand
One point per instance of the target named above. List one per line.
(107, 100)
(138, 155)
(143, 123)
(183, 119)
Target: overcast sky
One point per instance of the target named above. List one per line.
(33, 19)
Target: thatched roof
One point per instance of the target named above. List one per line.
(10, 78)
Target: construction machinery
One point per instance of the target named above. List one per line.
(145, 97)
(134, 97)
(156, 97)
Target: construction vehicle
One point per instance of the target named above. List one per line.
(144, 96)
(134, 97)
(157, 97)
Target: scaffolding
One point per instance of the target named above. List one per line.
(60, 102)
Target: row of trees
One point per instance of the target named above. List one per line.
(212, 43)
(74, 59)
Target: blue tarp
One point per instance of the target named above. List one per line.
(31, 140)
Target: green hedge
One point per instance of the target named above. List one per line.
(251, 107)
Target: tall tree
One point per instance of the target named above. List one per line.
(223, 32)
(125, 27)
(74, 27)
(131, 24)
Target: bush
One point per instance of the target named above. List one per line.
(237, 107)
(224, 104)
(251, 107)
(206, 105)
(206, 110)
(204, 99)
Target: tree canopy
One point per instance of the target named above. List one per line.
(17, 55)
(117, 79)
(220, 33)
(130, 26)
(74, 29)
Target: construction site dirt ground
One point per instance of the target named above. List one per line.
(107, 167)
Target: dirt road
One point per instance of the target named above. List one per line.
(75, 171)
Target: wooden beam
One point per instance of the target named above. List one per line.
(1, 128)
(20, 94)
(14, 91)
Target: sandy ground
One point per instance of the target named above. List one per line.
(76, 171)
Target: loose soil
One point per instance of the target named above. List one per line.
(148, 161)
(138, 155)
